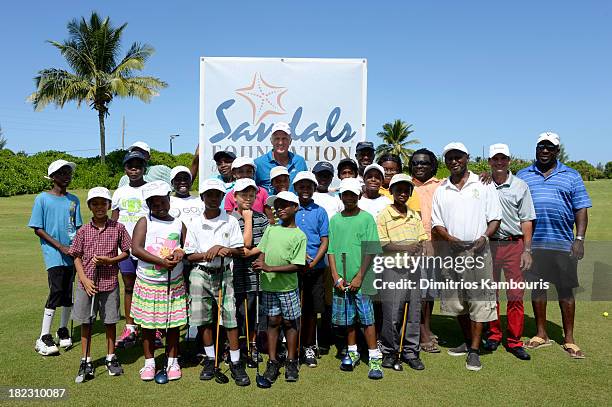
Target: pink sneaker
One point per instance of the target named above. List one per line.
(174, 372)
(127, 338)
(147, 373)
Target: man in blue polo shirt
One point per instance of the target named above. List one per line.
(560, 201)
(280, 155)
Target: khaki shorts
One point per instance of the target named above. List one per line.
(468, 295)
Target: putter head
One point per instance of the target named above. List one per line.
(161, 377)
(251, 363)
(347, 363)
(397, 366)
(220, 377)
(262, 382)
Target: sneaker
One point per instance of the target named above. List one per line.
(375, 372)
(63, 337)
(147, 373)
(310, 356)
(45, 345)
(174, 372)
(159, 341)
(490, 345)
(114, 367)
(292, 371)
(458, 351)
(355, 358)
(414, 363)
(388, 361)
(239, 374)
(127, 339)
(255, 357)
(472, 362)
(85, 372)
(379, 345)
(208, 372)
(520, 353)
(272, 370)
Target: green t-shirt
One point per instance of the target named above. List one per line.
(356, 236)
(282, 246)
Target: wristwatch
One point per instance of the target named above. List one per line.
(581, 238)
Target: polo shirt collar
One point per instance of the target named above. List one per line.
(472, 178)
(507, 183)
(215, 222)
(560, 167)
(432, 180)
(271, 159)
(106, 224)
(395, 214)
(308, 207)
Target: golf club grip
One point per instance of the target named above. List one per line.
(219, 305)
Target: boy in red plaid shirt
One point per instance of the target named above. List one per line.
(95, 250)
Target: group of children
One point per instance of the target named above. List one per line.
(300, 252)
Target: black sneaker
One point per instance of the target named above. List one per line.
(80, 378)
(310, 356)
(239, 374)
(292, 371)
(414, 363)
(520, 353)
(472, 362)
(114, 367)
(272, 370)
(388, 361)
(458, 351)
(209, 369)
(64, 339)
(490, 345)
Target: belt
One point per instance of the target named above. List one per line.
(210, 270)
(507, 239)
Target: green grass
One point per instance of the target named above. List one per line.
(550, 377)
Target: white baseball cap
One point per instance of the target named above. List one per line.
(155, 188)
(57, 164)
(98, 192)
(285, 196)
(244, 183)
(376, 167)
(282, 126)
(141, 145)
(400, 178)
(278, 170)
(499, 148)
(549, 136)
(178, 169)
(302, 175)
(350, 184)
(211, 183)
(455, 145)
(242, 161)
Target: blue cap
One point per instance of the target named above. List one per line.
(323, 166)
(219, 154)
(134, 154)
(364, 145)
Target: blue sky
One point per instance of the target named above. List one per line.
(480, 72)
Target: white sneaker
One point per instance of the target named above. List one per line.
(45, 345)
(64, 339)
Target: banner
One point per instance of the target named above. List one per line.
(323, 100)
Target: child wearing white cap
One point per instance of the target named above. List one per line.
(244, 167)
(95, 249)
(372, 201)
(56, 216)
(182, 204)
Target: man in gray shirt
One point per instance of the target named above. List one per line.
(510, 248)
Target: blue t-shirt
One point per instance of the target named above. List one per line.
(266, 162)
(556, 198)
(313, 221)
(60, 217)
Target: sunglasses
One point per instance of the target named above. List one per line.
(548, 147)
(423, 163)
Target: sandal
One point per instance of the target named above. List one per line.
(430, 347)
(573, 350)
(536, 342)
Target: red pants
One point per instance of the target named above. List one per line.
(507, 256)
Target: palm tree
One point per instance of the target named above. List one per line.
(3, 139)
(92, 51)
(395, 137)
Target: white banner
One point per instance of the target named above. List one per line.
(323, 100)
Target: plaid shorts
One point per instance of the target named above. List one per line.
(358, 308)
(286, 304)
(203, 294)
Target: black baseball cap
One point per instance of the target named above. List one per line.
(219, 154)
(364, 145)
(323, 166)
(348, 161)
(134, 154)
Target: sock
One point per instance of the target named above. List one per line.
(110, 356)
(210, 351)
(374, 353)
(88, 359)
(150, 362)
(47, 321)
(352, 348)
(172, 362)
(65, 317)
(131, 327)
(235, 355)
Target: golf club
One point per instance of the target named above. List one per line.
(250, 362)
(161, 377)
(397, 366)
(261, 381)
(80, 379)
(347, 362)
(220, 377)
(299, 338)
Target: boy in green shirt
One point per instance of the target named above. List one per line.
(283, 254)
(353, 243)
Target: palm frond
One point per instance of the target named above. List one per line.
(58, 86)
(134, 59)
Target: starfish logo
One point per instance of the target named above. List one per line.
(265, 99)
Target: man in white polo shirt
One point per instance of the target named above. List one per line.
(465, 214)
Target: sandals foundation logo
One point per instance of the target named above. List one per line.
(265, 99)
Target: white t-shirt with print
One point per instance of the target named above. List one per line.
(186, 209)
(131, 206)
(374, 206)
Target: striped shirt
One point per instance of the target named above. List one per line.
(398, 228)
(556, 199)
(245, 280)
